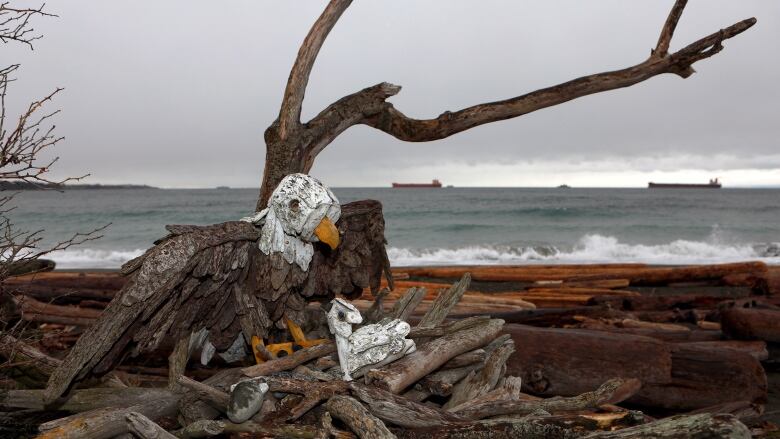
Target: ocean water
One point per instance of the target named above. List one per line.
(450, 225)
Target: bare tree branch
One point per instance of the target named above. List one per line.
(21, 147)
(395, 123)
(662, 48)
(18, 246)
(342, 114)
(290, 113)
(15, 23)
(293, 147)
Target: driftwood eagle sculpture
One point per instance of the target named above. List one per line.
(227, 283)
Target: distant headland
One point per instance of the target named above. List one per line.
(26, 186)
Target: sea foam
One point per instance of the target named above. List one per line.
(591, 248)
(93, 258)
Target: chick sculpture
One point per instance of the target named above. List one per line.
(220, 286)
(369, 346)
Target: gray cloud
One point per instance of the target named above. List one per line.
(178, 93)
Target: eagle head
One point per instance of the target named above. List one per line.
(301, 211)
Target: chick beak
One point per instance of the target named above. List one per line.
(327, 232)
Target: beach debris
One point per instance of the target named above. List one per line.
(370, 345)
(246, 398)
(301, 210)
(569, 379)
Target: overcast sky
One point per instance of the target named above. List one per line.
(177, 93)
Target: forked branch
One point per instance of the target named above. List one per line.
(290, 113)
(15, 23)
(395, 123)
(293, 146)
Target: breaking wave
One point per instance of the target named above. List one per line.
(591, 249)
(93, 258)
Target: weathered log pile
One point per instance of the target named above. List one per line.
(544, 351)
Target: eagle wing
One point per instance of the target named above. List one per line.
(193, 278)
(359, 261)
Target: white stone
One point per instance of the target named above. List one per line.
(246, 399)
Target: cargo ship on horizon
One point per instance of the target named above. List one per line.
(713, 184)
(433, 184)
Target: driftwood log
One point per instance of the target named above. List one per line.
(679, 427)
(612, 392)
(702, 376)
(357, 418)
(674, 376)
(82, 400)
(751, 324)
(432, 355)
(569, 362)
(29, 361)
(107, 422)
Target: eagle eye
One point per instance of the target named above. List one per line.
(342, 316)
(294, 205)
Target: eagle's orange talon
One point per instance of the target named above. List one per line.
(283, 349)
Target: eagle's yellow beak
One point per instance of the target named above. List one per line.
(327, 232)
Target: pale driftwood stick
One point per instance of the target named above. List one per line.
(144, 428)
(313, 392)
(32, 305)
(17, 351)
(357, 418)
(314, 373)
(177, 362)
(265, 353)
(106, 422)
(611, 392)
(510, 390)
(430, 356)
(445, 302)
(479, 383)
(441, 383)
(290, 361)
(683, 426)
(82, 400)
(497, 343)
(215, 397)
(401, 411)
(466, 359)
(447, 328)
(405, 306)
